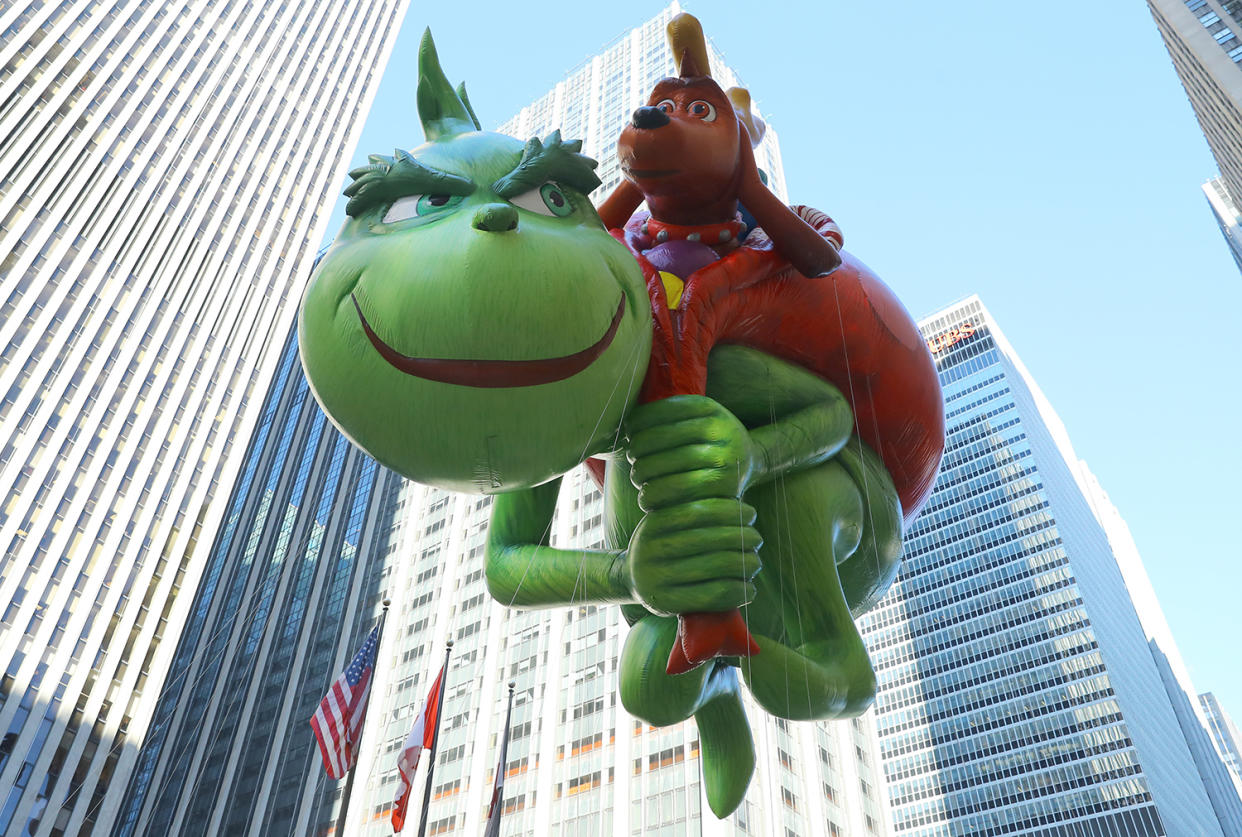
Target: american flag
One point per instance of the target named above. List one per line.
(338, 720)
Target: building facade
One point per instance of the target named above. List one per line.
(1215, 776)
(1228, 216)
(1018, 694)
(578, 764)
(292, 584)
(1204, 39)
(1225, 736)
(165, 175)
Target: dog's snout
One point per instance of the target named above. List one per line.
(649, 117)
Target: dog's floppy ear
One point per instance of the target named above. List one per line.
(685, 40)
(740, 98)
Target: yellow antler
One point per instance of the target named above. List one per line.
(685, 39)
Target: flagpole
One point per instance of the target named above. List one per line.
(349, 777)
(498, 793)
(435, 739)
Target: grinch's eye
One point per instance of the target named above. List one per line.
(666, 105)
(419, 206)
(703, 110)
(548, 199)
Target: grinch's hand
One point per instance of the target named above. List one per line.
(697, 556)
(687, 448)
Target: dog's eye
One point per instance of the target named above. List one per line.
(666, 105)
(703, 110)
(420, 206)
(548, 199)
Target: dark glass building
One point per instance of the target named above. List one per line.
(1018, 694)
(292, 584)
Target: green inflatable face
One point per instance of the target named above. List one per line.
(474, 326)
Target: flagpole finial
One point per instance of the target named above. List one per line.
(448, 644)
(512, 683)
(386, 603)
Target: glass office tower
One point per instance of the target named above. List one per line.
(1204, 39)
(1018, 694)
(1228, 216)
(292, 583)
(1215, 776)
(1225, 736)
(578, 764)
(165, 175)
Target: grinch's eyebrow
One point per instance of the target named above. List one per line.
(549, 160)
(387, 178)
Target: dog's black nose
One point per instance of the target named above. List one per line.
(649, 117)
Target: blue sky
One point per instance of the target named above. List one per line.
(1043, 156)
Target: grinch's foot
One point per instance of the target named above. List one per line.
(647, 692)
(726, 749)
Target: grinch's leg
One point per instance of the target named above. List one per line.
(726, 749)
(710, 693)
(812, 663)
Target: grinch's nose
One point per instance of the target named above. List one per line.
(496, 217)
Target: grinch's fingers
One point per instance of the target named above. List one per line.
(669, 410)
(685, 552)
(700, 514)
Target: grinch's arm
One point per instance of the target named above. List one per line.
(524, 571)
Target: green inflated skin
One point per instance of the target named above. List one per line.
(817, 499)
(475, 248)
(475, 327)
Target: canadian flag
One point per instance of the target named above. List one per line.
(422, 737)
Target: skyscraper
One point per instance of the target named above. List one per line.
(1018, 692)
(1215, 776)
(578, 764)
(164, 177)
(1225, 735)
(1204, 39)
(1227, 216)
(292, 581)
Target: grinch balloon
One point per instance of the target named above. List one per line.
(476, 327)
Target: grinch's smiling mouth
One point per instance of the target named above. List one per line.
(493, 373)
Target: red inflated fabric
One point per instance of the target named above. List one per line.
(847, 327)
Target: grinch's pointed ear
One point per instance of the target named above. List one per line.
(441, 110)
